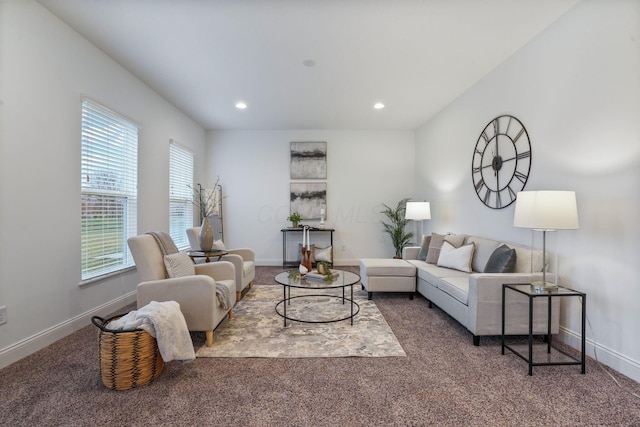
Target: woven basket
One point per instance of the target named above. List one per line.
(129, 358)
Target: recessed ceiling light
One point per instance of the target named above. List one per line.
(241, 105)
(378, 105)
(308, 62)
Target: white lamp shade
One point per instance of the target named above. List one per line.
(546, 210)
(418, 210)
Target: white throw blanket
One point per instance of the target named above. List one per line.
(165, 322)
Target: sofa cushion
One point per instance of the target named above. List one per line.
(482, 251)
(386, 267)
(457, 287)
(503, 260)
(424, 247)
(456, 258)
(527, 260)
(428, 271)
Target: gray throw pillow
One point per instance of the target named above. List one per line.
(435, 245)
(502, 260)
(424, 247)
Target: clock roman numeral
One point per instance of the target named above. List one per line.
(512, 194)
(486, 196)
(485, 136)
(522, 177)
(518, 135)
(524, 155)
(496, 126)
(479, 185)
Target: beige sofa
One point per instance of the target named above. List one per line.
(474, 298)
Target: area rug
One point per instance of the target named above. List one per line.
(256, 330)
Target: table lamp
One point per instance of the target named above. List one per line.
(546, 211)
(418, 211)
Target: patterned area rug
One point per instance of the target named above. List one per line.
(256, 330)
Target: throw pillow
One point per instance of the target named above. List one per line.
(424, 247)
(323, 254)
(218, 245)
(179, 265)
(434, 248)
(456, 240)
(502, 260)
(456, 258)
(482, 253)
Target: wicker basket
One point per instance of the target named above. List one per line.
(129, 358)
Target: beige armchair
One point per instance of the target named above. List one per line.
(243, 260)
(195, 294)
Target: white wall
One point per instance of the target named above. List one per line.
(45, 67)
(576, 87)
(364, 170)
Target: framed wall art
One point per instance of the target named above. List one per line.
(308, 199)
(308, 160)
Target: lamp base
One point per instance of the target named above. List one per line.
(543, 286)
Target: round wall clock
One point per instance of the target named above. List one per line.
(501, 161)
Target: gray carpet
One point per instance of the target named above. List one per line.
(444, 380)
(256, 330)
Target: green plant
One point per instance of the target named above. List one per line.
(396, 225)
(294, 218)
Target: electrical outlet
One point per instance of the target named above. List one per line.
(3, 315)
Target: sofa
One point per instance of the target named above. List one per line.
(463, 275)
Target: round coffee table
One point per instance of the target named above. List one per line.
(292, 279)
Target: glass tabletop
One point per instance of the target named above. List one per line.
(292, 278)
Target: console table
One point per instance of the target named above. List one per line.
(550, 294)
(298, 230)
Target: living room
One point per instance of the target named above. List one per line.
(575, 86)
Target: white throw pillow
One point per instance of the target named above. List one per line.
(179, 265)
(456, 258)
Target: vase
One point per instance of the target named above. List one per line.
(205, 235)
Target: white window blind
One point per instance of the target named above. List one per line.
(180, 194)
(109, 189)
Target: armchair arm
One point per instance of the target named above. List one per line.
(247, 254)
(410, 252)
(195, 294)
(221, 270)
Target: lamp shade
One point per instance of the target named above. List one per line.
(418, 210)
(546, 210)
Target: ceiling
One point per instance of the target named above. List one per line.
(415, 56)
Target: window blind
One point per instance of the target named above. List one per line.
(109, 189)
(181, 163)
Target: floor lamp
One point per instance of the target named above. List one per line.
(546, 211)
(418, 211)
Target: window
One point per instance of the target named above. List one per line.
(109, 193)
(180, 194)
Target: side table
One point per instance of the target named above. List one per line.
(207, 255)
(551, 294)
(285, 231)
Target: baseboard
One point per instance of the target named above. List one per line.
(21, 349)
(616, 361)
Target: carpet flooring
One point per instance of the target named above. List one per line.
(443, 380)
(256, 330)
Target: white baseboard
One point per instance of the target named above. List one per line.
(616, 361)
(27, 346)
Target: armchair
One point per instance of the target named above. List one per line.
(243, 259)
(195, 294)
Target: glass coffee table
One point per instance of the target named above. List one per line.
(292, 279)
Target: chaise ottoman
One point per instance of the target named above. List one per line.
(387, 275)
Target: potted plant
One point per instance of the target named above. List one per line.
(295, 219)
(396, 224)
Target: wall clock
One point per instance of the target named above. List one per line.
(501, 161)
